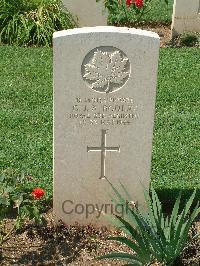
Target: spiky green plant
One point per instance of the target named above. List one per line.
(189, 39)
(32, 22)
(152, 237)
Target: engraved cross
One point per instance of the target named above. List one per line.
(103, 149)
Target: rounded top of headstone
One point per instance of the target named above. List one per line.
(106, 29)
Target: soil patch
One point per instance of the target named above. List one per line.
(73, 245)
(164, 32)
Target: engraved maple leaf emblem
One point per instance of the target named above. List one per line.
(105, 69)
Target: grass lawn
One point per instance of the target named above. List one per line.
(26, 117)
(159, 12)
(26, 111)
(176, 153)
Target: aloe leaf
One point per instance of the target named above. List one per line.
(182, 237)
(177, 229)
(182, 220)
(150, 210)
(157, 216)
(133, 232)
(120, 197)
(129, 198)
(121, 256)
(140, 223)
(167, 228)
(112, 198)
(144, 256)
(122, 201)
(149, 236)
(133, 264)
(189, 203)
(162, 222)
(186, 228)
(174, 214)
(116, 222)
(183, 216)
(158, 205)
(155, 236)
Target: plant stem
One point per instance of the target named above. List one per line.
(4, 238)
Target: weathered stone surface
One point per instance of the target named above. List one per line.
(104, 100)
(87, 12)
(186, 17)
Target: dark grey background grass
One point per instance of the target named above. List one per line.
(26, 117)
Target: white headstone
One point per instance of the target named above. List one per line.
(87, 12)
(104, 100)
(186, 16)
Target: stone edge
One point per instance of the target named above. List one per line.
(102, 29)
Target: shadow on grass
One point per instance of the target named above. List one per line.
(169, 196)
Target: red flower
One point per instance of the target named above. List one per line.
(38, 193)
(139, 3)
(129, 2)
